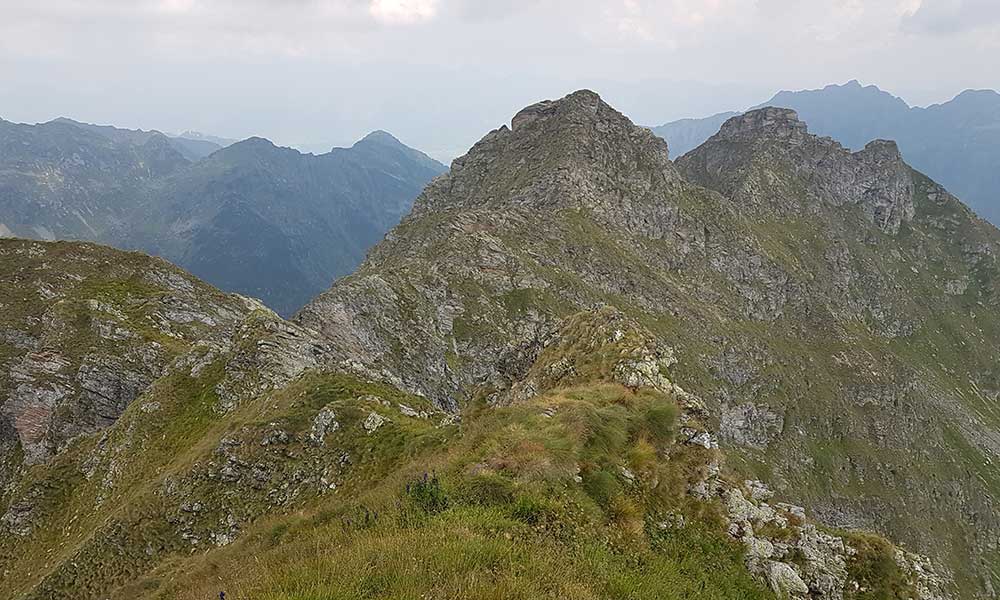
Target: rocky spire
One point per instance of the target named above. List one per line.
(577, 107)
(573, 151)
(769, 122)
(773, 145)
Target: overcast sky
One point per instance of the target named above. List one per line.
(440, 73)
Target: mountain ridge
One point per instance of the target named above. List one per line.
(136, 190)
(956, 142)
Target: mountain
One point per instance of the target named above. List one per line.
(190, 146)
(832, 308)
(576, 369)
(858, 114)
(85, 330)
(64, 180)
(276, 224)
(252, 218)
(202, 144)
(957, 142)
(194, 149)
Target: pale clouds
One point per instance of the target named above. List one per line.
(403, 11)
(953, 16)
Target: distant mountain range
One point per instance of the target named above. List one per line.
(205, 139)
(249, 217)
(957, 142)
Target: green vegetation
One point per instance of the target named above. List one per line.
(565, 495)
(875, 570)
(496, 513)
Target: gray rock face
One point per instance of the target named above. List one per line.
(373, 422)
(750, 425)
(774, 123)
(797, 560)
(875, 178)
(268, 353)
(569, 155)
(88, 329)
(325, 421)
(785, 582)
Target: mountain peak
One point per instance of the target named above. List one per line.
(380, 136)
(252, 144)
(66, 121)
(579, 104)
(851, 96)
(887, 149)
(984, 93)
(976, 100)
(771, 122)
(555, 153)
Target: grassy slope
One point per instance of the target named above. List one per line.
(497, 514)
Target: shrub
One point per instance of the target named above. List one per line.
(533, 510)
(659, 421)
(427, 494)
(487, 489)
(601, 486)
(875, 570)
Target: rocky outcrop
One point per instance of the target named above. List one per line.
(750, 425)
(778, 144)
(784, 547)
(90, 329)
(799, 560)
(266, 353)
(766, 123)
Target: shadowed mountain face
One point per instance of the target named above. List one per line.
(957, 143)
(60, 180)
(574, 369)
(252, 218)
(189, 145)
(273, 223)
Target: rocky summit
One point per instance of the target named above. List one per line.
(577, 369)
(956, 142)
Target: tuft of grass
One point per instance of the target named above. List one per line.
(875, 571)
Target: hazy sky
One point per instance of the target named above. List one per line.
(440, 73)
